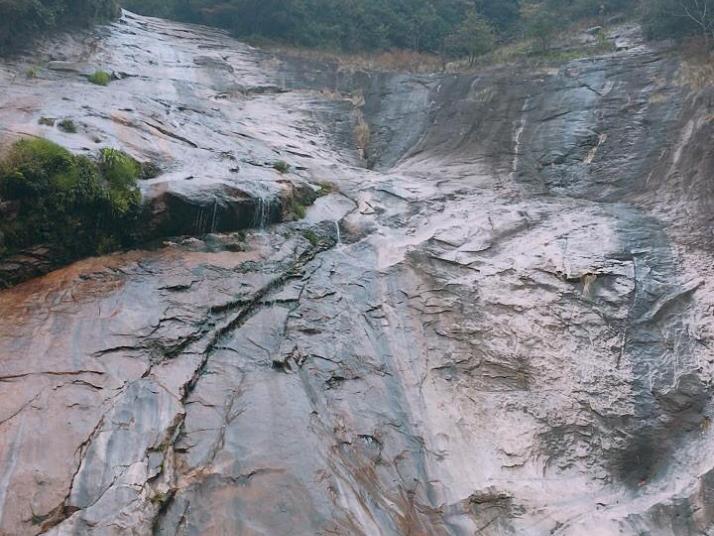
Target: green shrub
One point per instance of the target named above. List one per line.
(67, 125)
(75, 204)
(100, 78)
(282, 166)
(474, 37)
(118, 168)
(30, 166)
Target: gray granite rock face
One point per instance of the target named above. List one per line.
(499, 321)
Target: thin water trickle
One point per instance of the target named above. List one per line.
(339, 233)
(257, 216)
(261, 217)
(517, 137)
(199, 221)
(213, 220)
(264, 213)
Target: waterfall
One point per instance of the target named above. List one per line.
(261, 216)
(198, 222)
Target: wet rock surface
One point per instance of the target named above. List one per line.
(503, 327)
(183, 102)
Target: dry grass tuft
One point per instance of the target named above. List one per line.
(362, 133)
(697, 69)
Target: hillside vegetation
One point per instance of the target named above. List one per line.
(453, 28)
(450, 28)
(20, 20)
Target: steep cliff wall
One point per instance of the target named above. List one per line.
(499, 323)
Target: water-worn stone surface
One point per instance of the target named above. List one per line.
(188, 102)
(503, 326)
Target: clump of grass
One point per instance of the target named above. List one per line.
(281, 166)
(149, 170)
(312, 237)
(46, 121)
(67, 125)
(362, 133)
(100, 78)
(32, 72)
(391, 60)
(603, 43)
(697, 69)
(558, 56)
(297, 209)
(325, 188)
(118, 168)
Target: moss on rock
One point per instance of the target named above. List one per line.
(100, 78)
(76, 204)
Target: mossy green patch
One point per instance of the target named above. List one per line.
(100, 78)
(312, 237)
(75, 204)
(281, 166)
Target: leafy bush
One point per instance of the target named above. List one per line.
(70, 202)
(100, 78)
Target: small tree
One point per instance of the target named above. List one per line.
(474, 37)
(675, 18)
(541, 23)
(700, 13)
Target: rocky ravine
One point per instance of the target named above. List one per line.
(503, 327)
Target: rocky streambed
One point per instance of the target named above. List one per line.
(498, 321)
